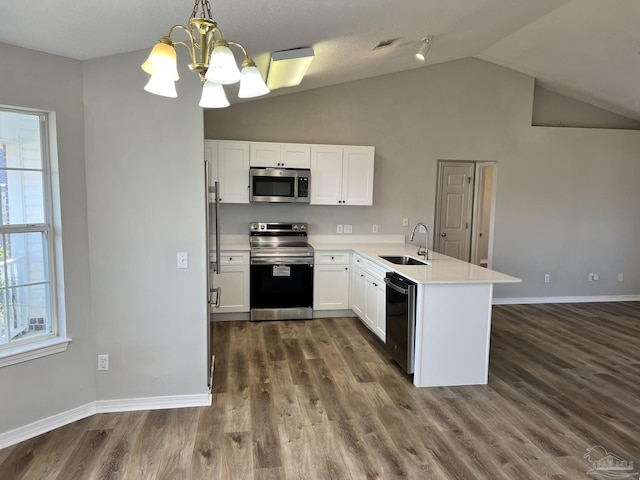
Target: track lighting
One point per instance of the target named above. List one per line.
(424, 49)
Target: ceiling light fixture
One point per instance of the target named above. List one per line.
(211, 58)
(424, 49)
(287, 67)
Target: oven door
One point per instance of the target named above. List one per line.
(281, 288)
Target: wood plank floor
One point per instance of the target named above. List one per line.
(320, 400)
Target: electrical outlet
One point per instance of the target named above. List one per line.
(375, 228)
(183, 260)
(348, 229)
(339, 228)
(590, 277)
(547, 278)
(596, 277)
(620, 277)
(103, 362)
(405, 222)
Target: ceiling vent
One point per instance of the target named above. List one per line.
(385, 43)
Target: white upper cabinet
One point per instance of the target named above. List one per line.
(229, 164)
(280, 155)
(357, 175)
(296, 155)
(326, 175)
(342, 175)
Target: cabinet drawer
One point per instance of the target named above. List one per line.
(376, 270)
(359, 261)
(335, 257)
(232, 258)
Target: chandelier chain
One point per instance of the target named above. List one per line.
(206, 9)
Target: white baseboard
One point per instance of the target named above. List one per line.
(589, 299)
(58, 420)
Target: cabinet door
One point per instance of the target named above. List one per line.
(265, 154)
(371, 302)
(211, 156)
(295, 155)
(381, 314)
(233, 160)
(331, 287)
(234, 289)
(326, 175)
(358, 285)
(357, 175)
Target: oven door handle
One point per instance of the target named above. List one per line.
(282, 261)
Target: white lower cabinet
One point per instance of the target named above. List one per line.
(233, 282)
(368, 294)
(358, 285)
(331, 280)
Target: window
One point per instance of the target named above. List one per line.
(29, 325)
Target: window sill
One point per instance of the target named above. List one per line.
(31, 351)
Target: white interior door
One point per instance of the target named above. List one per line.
(454, 209)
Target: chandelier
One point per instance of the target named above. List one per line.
(210, 57)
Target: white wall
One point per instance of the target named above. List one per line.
(47, 386)
(566, 198)
(145, 183)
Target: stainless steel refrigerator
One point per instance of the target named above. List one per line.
(212, 203)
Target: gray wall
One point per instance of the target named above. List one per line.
(551, 109)
(132, 195)
(566, 198)
(53, 384)
(146, 202)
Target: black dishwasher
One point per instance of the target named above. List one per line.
(401, 319)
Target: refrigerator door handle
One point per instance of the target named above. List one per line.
(217, 211)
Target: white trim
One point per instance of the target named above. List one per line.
(31, 351)
(39, 427)
(153, 403)
(44, 425)
(588, 299)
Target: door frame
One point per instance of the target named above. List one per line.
(479, 166)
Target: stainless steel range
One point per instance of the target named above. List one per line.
(281, 271)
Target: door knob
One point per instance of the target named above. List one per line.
(443, 234)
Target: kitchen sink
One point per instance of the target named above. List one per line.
(403, 260)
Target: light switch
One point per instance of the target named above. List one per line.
(183, 260)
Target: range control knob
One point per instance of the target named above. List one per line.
(302, 227)
(295, 227)
(263, 226)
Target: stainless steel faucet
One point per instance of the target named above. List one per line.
(421, 251)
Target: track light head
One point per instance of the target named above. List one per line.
(424, 48)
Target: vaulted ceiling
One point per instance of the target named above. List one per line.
(586, 49)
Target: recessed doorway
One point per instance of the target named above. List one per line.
(465, 204)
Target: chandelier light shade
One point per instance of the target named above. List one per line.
(210, 57)
(251, 83)
(424, 48)
(213, 96)
(165, 87)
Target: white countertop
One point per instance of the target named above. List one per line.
(442, 269)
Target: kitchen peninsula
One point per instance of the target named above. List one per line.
(453, 311)
(453, 300)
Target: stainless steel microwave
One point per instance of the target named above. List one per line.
(279, 185)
